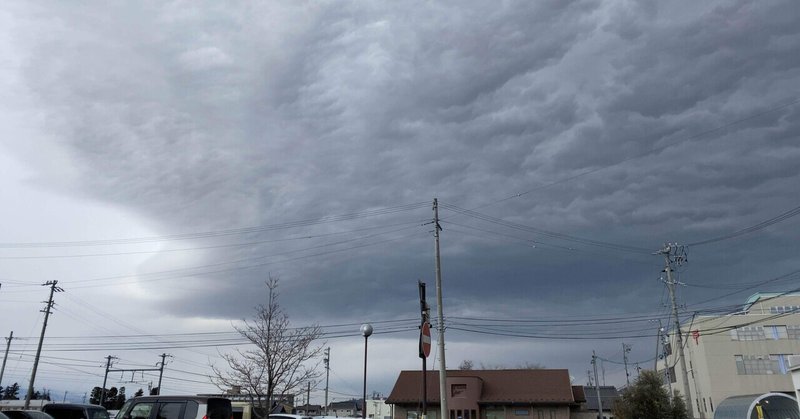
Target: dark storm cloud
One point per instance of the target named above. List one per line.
(203, 117)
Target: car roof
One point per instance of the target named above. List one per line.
(195, 398)
(72, 405)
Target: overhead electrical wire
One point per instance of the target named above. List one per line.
(218, 233)
(218, 246)
(756, 227)
(199, 270)
(547, 233)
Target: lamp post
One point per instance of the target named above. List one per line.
(366, 331)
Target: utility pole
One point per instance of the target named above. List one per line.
(47, 310)
(589, 375)
(658, 342)
(597, 387)
(676, 254)
(5, 358)
(308, 397)
(327, 361)
(442, 365)
(105, 379)
(625, 350)
(161, 370)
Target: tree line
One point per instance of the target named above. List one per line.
(12, 393)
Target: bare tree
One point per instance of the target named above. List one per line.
(281, 360)
(466, 365)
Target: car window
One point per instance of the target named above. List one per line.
(65, 413)
(98, 414)
(170, 410)
(191, 410)
(219, 409)
(124, 409)
(141, 410)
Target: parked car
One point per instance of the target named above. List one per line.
(26, 414)
(176, 407)
(75, 411)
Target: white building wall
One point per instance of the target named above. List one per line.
(713, 371)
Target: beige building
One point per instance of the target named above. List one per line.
(743, 353)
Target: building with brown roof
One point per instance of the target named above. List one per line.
(489, 394)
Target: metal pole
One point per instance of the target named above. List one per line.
(440, 312)
(424, 313)
(678, 334)
(597, 387)
(327, 375)
(5, 358)
(46, 311)
(366, 330)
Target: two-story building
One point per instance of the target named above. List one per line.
(744, 353)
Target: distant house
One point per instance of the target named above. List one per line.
(347, 408)
(490, 394)
(608, 396)
(309, 410)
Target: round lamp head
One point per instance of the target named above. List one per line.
(366, 330)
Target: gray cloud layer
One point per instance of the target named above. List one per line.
(204, 117)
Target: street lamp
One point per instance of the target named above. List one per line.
(366, 331)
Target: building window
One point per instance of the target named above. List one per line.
(793, 332)
(458, 390)
(761, 364)
(783, 309)
(521, 412)
(748, 333)
(778, 332)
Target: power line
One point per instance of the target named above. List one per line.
(760, 226)
(218, 233)
(547, 233)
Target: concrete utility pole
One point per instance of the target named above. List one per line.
(47, 310)
(161, 370)
(597, 387)
(327, 361)
(625, 350)
(442, 365)
(670, 252)
(105, 379)
(5, 358)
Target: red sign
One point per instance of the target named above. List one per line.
(425, 340)
(696, 336)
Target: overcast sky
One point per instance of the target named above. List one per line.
(162, 159)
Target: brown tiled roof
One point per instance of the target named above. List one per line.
(499, 386)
